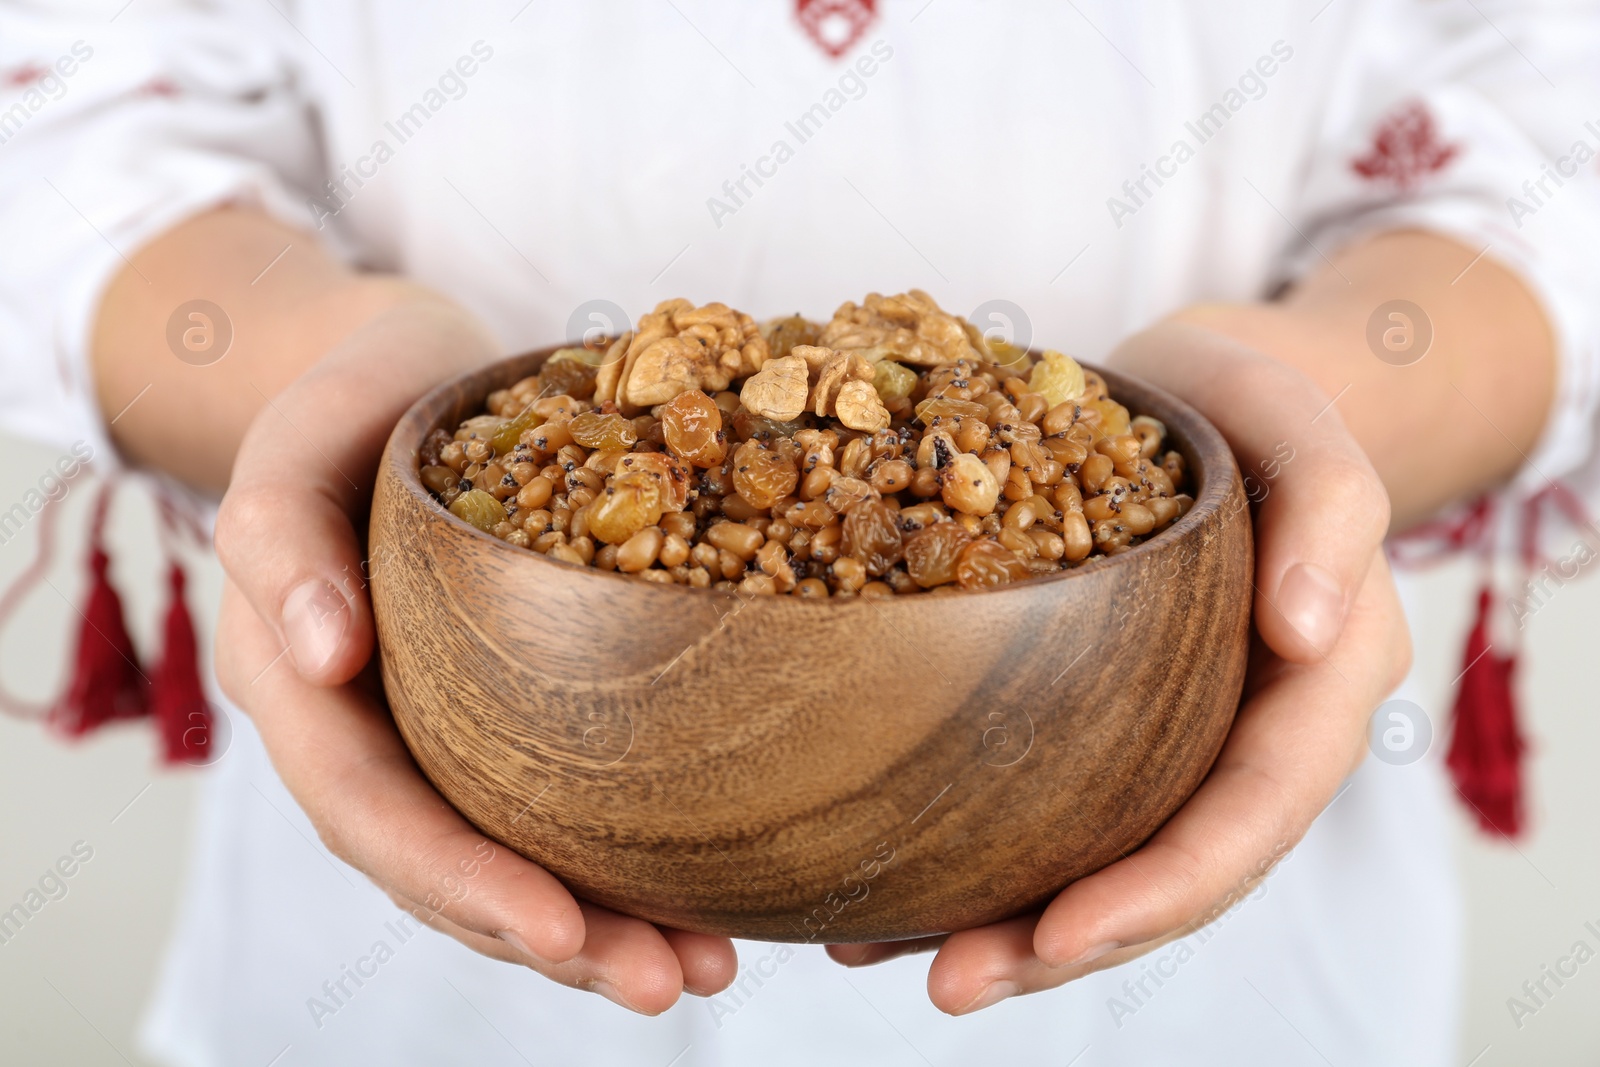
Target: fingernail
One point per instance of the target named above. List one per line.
(1313, 603)
(1096, 952)
(852, 955)
(514, 939)
(315, 618)
(609, 991)
(993, 994)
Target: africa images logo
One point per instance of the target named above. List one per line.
(1251, 85)
(851, 85)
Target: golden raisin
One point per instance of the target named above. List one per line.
(479, 508)
(932, 553)
(594, 430)
(945, 407)
(511, 431)
(628, 504)
(692, 425)
(988, 563)
(1105, 418)
(570, 377)
(871, 536)
(892, 381)
(1057, 378)
(671, 475)
(762, 476)
(750, 426)
(789, 332)
(843, 494)
(438, 479)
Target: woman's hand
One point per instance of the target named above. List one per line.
(294, 646)
(1332, 645)
(322, 363)
(1332, 641)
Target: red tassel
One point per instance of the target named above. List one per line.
(1485, 757)
(106, 682)
(178, 701)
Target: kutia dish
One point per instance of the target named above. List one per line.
(844, 765)
(892, 450)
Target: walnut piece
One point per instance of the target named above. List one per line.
(909, 328)
(679, 347)
(778, 391)
(859, 407)
(832, 372)
(816, 358)
(668, 367)
(610, 372)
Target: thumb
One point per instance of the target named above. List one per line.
(287, 529)
(1321, 510)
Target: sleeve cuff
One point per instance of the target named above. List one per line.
(218, 184)
(1549, 249)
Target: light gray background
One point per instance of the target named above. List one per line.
(71, 984)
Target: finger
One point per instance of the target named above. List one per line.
(709, 964)
(492, 947)
(338, 753)
(977, 969)
(284, 530)
(868, 954)
(625, 960)
(622, 962)
(1322, 509)
(1291, 747)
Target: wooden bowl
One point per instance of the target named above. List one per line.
(794, 770)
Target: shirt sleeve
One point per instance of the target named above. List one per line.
(118, 122)
(1478, 122)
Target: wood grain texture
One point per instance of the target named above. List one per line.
(792, 770)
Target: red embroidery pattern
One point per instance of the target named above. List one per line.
(24, 76)
(836, 25)
(1405, 149)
